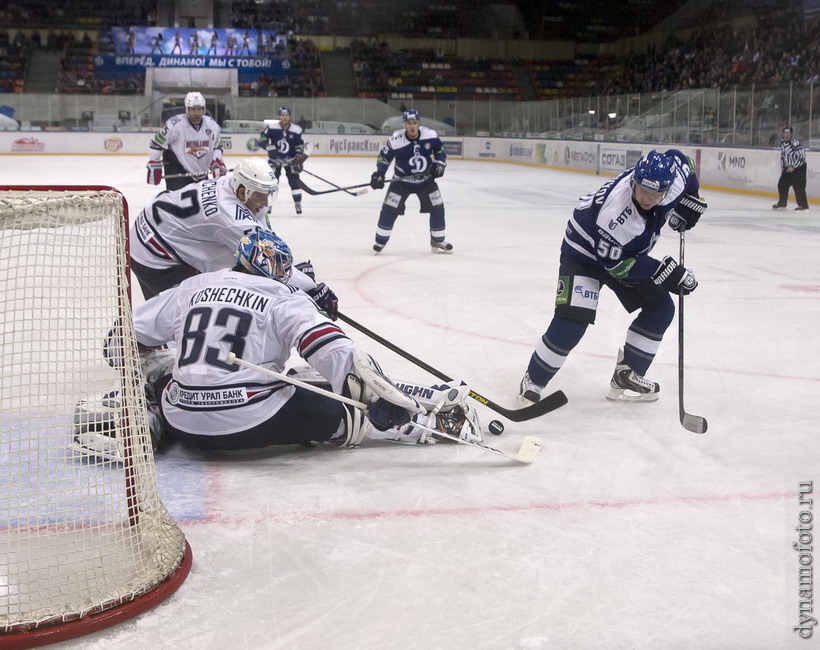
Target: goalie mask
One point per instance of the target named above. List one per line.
(259, 183)
(261, 252)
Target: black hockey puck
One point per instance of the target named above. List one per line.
(495, 427)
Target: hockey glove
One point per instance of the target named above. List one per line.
(324, 297)
(686, 213)
(307, 269)
(218, 168)
(154, 172)
(295, 168)
(674, 278)
(438, 168)
(376, 181)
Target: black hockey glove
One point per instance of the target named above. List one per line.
(295, 168)
(686, 213)
(324, 297)
(307, 269)
(674, 278)
(438, 168)
(376, 181)
(385, 415)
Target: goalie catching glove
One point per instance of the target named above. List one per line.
(674, 278)
(686, 213)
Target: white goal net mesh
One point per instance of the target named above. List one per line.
(79, 534)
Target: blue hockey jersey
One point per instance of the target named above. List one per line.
(282, 144)
(414, 158)
(608, 229)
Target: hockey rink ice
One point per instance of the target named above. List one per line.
(628, 531)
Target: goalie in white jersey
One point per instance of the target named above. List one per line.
(195, 230)
(252, 311)
(186, 148)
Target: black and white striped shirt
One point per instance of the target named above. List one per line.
(791, 154)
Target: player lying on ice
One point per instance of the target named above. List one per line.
(251, 310)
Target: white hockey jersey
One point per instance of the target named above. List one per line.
(199, 225)
(194, 146)
(260, 320)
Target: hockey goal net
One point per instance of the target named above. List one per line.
(85, 541)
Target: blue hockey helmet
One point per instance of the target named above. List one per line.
(262, 252)
(654, 172)
(284, 110)
(410, 114)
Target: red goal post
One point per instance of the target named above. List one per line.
(85, 542)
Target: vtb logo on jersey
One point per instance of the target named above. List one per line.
(196, 148)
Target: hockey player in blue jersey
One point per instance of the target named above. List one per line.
(419, 160)
(607, 242)
(286, 148)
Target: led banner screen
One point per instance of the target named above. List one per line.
(190, 41)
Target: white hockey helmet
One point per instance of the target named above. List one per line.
(258, 179)
(194, 100)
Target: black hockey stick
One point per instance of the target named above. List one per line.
(694, 423)
(549, 403)
(200, 175)
(312, 192)
(338, 187)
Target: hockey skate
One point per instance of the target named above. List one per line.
(443, 247)
(378, 248)
(628, 386)
(298, 207)
(528, 392)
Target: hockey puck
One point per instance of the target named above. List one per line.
(495, 427)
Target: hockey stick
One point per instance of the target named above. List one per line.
(204, 175)
(416, 177)
(694, 423)
(527, 452)
(549, 403)
(338, 187)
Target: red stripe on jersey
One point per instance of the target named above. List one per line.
(317, 334)
(155, 245)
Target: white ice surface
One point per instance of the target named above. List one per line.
(627, 532)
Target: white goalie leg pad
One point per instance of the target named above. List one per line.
(375, 384)
(95, 430)
(157, 363)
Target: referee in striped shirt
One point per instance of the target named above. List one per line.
(793, 174)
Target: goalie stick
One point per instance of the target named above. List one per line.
(693, 423)
(527, 451)
(549, 403)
